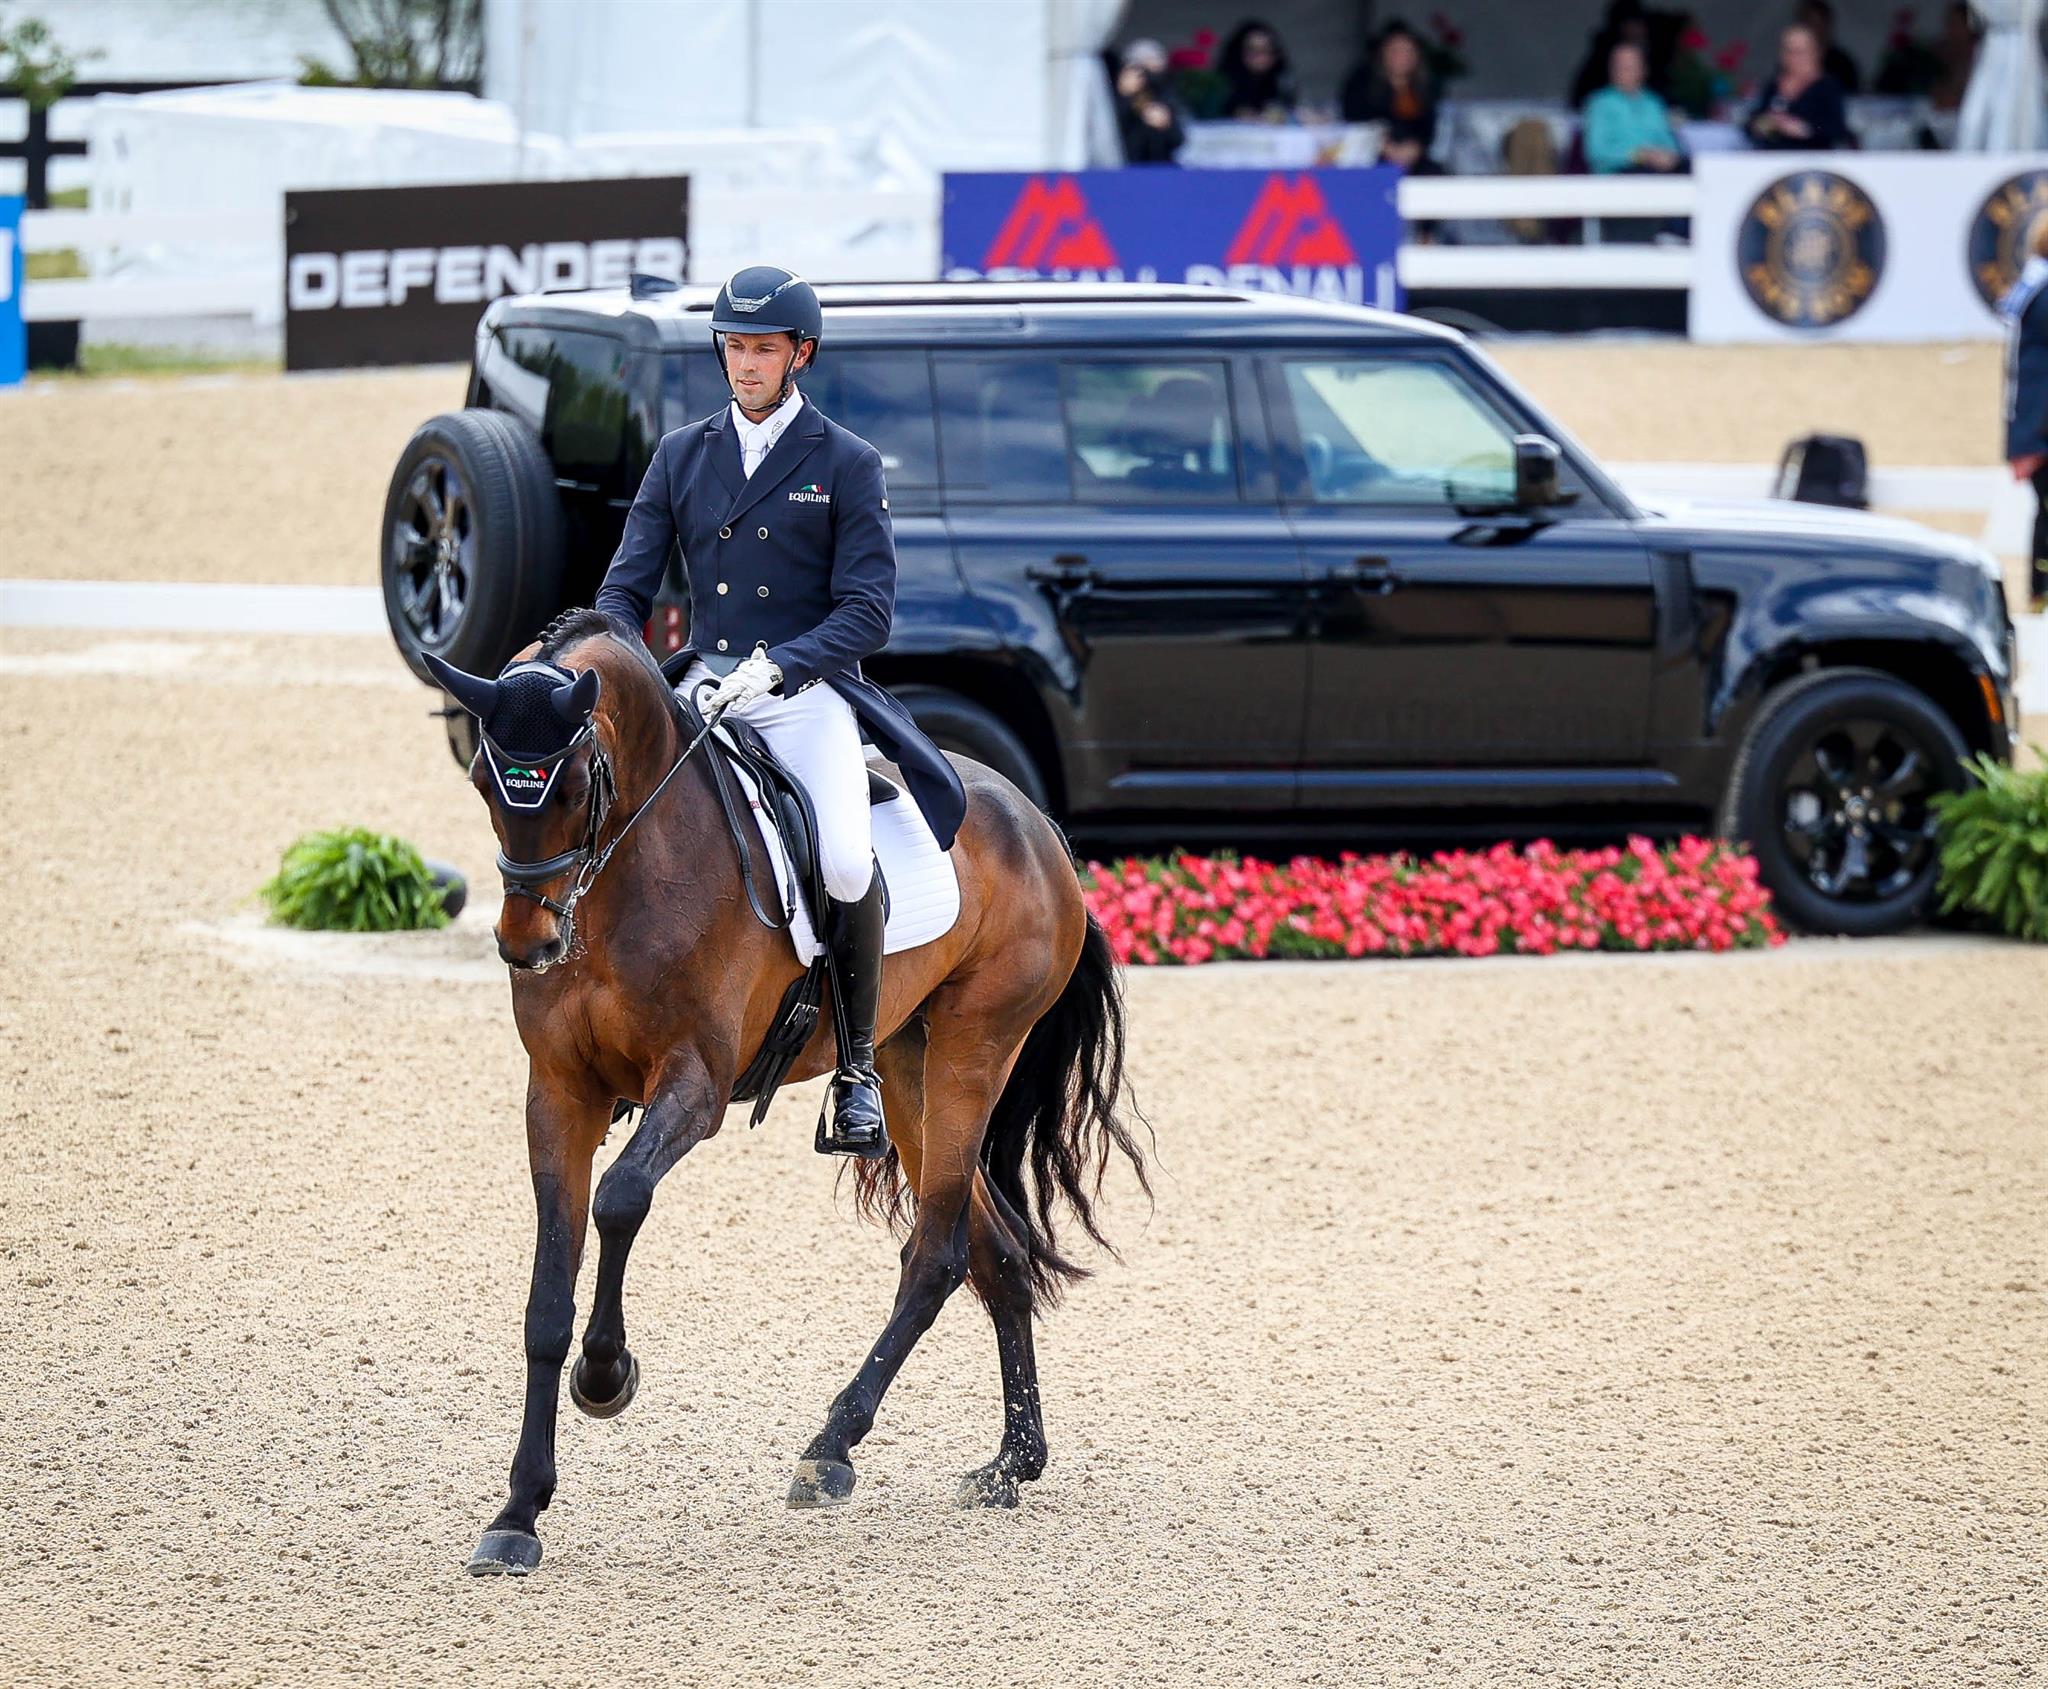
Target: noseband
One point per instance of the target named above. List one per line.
(523, 878)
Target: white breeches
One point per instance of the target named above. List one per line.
(816, 736)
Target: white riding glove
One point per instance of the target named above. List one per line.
(754, 678)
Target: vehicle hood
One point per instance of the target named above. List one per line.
(1762, 518)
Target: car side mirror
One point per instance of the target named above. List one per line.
(1536, 461)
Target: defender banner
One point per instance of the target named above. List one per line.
(1326, 234)
(13, 334)
(401, 275)
(1860, 246)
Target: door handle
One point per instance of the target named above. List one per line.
(1068, 570)
(1375, 573)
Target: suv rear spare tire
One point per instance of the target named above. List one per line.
(472, 554)
(1831, 792)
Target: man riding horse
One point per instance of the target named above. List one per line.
(784, 525)
(642, 968)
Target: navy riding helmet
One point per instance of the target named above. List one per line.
(767, 299)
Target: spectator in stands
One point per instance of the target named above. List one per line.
(1627, 128)
(1801, 108)
(2025, 310)
(1625, 21)
(1819, 16)
(1145, 118)
(1258, 82)
(1390, 86)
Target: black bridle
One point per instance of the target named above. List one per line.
(586, 860)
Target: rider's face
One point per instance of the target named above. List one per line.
(756, 365)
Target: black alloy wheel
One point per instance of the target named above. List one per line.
(433, 547)
(1855, 810)
(1833, 791)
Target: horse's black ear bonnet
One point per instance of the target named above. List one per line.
(536, 722)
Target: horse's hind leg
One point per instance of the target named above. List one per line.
(999, 1266)
(963, 1076)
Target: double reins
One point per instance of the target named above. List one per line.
(521, 878)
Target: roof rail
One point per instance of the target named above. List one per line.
(942, 295)
(645, 286)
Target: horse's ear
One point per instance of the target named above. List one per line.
(472, 692)
(575, 700)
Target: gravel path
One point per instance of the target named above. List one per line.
(1631, 1321)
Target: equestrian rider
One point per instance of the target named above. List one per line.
(784, 525)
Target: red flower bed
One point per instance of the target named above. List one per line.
(1697, 894)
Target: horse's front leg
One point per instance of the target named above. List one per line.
(562, 1134)
(687, 1107)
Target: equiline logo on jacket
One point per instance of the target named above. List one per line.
(812, 494)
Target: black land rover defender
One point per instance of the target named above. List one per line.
(1187, 563)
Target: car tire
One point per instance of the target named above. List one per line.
(958, 724)
(471, 552)
(1838, 818)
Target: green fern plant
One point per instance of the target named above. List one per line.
(354, 880)
(1994, 847)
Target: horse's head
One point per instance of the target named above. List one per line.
(548, 781)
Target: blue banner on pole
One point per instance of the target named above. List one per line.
(1325, 234)
(13, 336)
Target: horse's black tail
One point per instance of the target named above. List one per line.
(1061, 1115)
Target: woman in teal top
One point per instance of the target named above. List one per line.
(1626, 125)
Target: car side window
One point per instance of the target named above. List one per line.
(886, 398)
(1397, 431)
(688, 391)
(585, 379)
(1150, 433)
(1000, 435)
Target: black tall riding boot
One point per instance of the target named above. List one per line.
(854, 932)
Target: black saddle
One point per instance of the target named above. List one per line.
(787, 804)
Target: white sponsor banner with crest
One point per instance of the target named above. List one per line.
(1860, 246)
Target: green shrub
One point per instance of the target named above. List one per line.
(354, 880)
(1994, 848)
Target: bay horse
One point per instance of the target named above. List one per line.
(1000, 1046)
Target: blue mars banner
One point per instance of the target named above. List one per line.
(1325, 234)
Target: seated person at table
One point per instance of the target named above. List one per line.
(1801, 109)
(1627, 128)
(1390, 87)
(1256, 77)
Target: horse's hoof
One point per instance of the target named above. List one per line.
(617, 1405)
(994, 1485)
(504, 1554)
(821, 1483)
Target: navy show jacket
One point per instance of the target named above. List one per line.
(2026, 378)
(799, 557)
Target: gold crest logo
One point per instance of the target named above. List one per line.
(1810, 249)
(2003, 230)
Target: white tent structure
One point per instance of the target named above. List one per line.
(2002, 107)
(955, 84)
